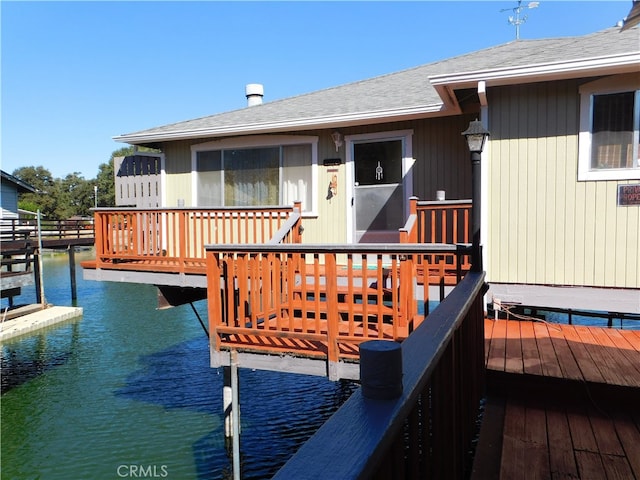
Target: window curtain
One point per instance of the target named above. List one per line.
(612, 131)
(209, 171)
(251, 177)
(296, 175)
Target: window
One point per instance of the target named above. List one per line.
(609, 139)
(228, 174)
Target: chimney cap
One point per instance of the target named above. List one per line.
(254, 93)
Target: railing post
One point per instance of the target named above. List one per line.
(413, 205)
(215, 297)
(297, 229)
(332, 316)
(98, 239)
(182, 236)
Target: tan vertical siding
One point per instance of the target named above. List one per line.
(441, 163)
(178, 173)
(329, 226)
(545, 226)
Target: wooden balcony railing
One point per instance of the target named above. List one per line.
(174, 240)
(316, 301)
(27, 229)
(443, 222)
(427, 431)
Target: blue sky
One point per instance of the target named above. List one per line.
(74, 74)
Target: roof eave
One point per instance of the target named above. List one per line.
(22, 186)
(622, 63)
(332, 121)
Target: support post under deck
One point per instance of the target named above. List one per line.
(72, 272)
(231, 405)
(235, 415)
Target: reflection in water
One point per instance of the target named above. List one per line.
(34, 356)
(130, 385)
(279, 411)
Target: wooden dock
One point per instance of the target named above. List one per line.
(562, 402)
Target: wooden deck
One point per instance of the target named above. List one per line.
(562, 402)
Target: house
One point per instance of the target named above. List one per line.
(11, 188)
(15, 271)
(560, 172)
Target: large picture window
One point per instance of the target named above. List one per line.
(609, 133)
(255, 175)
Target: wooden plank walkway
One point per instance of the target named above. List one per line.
(562, 402)
(571, 352)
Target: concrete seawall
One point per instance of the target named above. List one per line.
(38, 320)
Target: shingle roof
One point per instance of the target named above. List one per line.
(395, 93)
(22, 187)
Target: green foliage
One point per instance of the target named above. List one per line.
(47, 189)
(73, 195)
(105, 184)
(28, 206)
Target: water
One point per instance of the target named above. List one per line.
(127, 391)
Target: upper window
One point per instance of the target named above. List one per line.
(255, 175)
(609, 138)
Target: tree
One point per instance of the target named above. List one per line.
(73, 195)
(45, 199)
(105, 183)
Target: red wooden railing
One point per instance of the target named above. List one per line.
(427, 431)
(324, 299)
(174, 239)
(440, 222)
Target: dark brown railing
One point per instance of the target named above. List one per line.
(427, 431)
(21, 229)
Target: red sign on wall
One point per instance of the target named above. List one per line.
(629, 195)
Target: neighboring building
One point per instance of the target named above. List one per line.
(15, 271)
(11, 187)
(560, 174)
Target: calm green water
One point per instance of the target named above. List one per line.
(126, 392)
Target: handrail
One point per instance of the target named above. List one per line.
(381, 248)
(290, 231)
(426, 432)
(17, 229)
(440, 221)
(331, 296)
(173, 239)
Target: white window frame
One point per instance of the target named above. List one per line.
(625, 83)
(261, 141)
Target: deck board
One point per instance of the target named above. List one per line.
(591, 354)
(562, 463)
(590, 433)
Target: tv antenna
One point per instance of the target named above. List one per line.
(515, 19)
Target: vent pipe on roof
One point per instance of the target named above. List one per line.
(254, 93)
